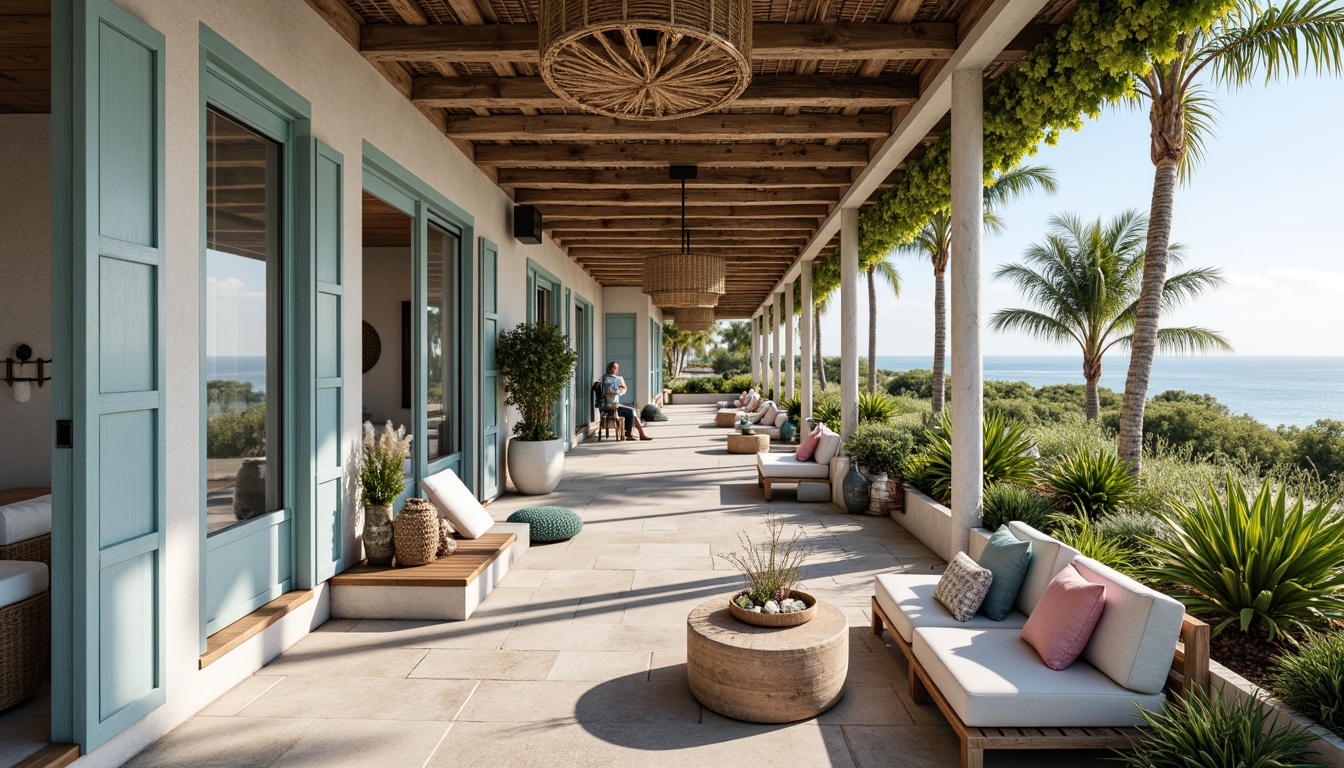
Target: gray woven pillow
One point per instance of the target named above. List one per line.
(963, 587)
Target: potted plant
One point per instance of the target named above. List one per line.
(536, 362)
(382, 478)
(881, 449)
(771, 598)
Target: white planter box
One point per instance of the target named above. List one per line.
(1329, 748)
(929, 521)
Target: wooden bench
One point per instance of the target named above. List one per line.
(1189, 668)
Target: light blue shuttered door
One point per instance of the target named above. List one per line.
(622, 339)
(109, 139)
(321, 451)
(489, 370)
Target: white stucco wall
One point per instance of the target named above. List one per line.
(351, 103)
(387, 283)
(25, 293)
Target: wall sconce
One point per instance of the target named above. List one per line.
(22, 385)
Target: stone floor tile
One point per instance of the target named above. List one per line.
(368, 698)
(674, 550)
(668, 666)
(344, 655)
(480, 632)
(618, 701)
(364, 743)
(600, 665)
(658, 562)
(475, 664)
(519, 577)
(242, 694)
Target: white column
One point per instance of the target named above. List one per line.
(805, 330)
(790, 344)
(765, 354)
(965, 265)
(755, 356)
(777, 365)
(849, 320)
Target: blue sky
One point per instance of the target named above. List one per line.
(1266, 207)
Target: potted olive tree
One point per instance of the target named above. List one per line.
(536, 363)
(881, 448)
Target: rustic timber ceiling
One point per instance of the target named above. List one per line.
(25, 57)
(831, 81)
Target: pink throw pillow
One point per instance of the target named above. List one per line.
(1063, 620)
(808, 445)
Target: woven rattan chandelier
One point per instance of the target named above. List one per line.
(693, 318)
(646, 59)
(684, 278)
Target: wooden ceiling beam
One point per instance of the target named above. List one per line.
(630, 226)
(604, 212)
(830, 41)
(765, 91)
(663, 155)
(784, 254)
(650, 178)
(662, 197)
(753, 127)
(664, 243)
(673, 235)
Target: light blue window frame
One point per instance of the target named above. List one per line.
(539, 277)
(582, 400)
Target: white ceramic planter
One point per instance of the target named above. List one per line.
(536, 466)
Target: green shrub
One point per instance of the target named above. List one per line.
(1254, 560)
(1081, 533)
(1130, 530)
(875, 406)
(736, 384)
(1005, 503)
(536, 363)
(917, 383)
(1319, 447)
(727, 363)
(1202, 731)
(880, 448)
(1069, 437)
(1096, 483)
(1310, 679)
(236, 435)
(1205, 425)
(1007, 456)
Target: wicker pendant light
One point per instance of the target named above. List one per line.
(693, 318)
(684, 278)
(646, 59)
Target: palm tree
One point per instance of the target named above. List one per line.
(735, 336)
(891, 277)
(1246, 43)
(821, 304)
(1084, 281)
(934, 242)
(680, 345)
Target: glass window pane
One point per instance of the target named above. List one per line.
(444, 254)
(242, 323)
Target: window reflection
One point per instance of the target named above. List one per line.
(444, 255)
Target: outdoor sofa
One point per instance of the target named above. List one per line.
(766, 420)
(995, 690)
(785, 468)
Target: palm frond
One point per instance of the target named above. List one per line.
(1033, 323)
(1285, 39)
(889, 274)
(1201, 116)
(1190, 340)
(1186, 285)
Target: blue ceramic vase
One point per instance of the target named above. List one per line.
(788, 432)
(855, 490)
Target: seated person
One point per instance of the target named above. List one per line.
(613, 386)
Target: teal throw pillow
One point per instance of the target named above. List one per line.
(1008, 559)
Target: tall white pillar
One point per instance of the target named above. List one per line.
(849, 321)
(968, 182)
(777, 364)
(790, 344)
(805, 330)
(765, 353)
(755, 355)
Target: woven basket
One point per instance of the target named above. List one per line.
(36, 549)
(775, 619)
(694, 318)
(691, 272)
(416, 533)
(25, 648)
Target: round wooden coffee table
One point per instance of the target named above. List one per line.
(763, 674)
(740, 443)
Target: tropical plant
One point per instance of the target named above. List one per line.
(875, 406)
(382, 475)
(887, 271)
(1199, 730)
(1310, 678)
(1246, 43)
(1007, 456)
(1080, 532)
(880, 448)
(1084, 283)
(821, 304)
(792, 406)
(1129, 529)
(536, 363)
(679, 346)
(734, 336)
(1095, 483)
(828, 414)
(770, 568)
(1255, 560)
(934, 242)
(1006, 503)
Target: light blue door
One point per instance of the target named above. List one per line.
(622, 346)
(108, 480)
(489, 370)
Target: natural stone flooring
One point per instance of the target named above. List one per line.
(578, 658)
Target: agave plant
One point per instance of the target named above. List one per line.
(1006, 503)
(828, 414)
(1202, 730)
(1007, 456)
(1255, 560)
(1096, 483)
(1080, 532)
(875, 406)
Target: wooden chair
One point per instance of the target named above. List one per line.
(607, 417)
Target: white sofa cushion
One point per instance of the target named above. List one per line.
(20, 580)
(993, 679)
(785, 465)
(827, 447)
(766, 415)
(907, 599)
(781, 417)
(1048, 557)
(25, 520)
(457, 504)
(1136, 636)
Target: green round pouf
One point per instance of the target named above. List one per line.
(549, 523)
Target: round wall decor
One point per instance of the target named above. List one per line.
(373, 347)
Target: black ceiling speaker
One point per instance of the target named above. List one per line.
(527, 224)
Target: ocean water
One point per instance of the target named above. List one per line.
(1275, 390)
(249, 369)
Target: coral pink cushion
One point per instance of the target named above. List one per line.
(808, 445)
(1062, 622)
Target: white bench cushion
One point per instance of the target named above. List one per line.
(827, 447)
(1136, 636)
(786, 465)
(20, 580)
(907, 599)
(457, 504)
(993, 679)
(1048, 558)
(25, 520)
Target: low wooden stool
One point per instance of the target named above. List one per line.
(740, 443)
(725, 418)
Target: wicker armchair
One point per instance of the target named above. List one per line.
(25, 634)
